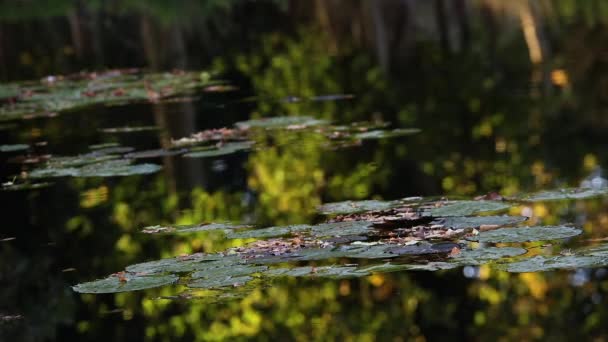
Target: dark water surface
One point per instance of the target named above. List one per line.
(509, 97)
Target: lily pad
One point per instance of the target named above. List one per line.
(225, 149)
(13, 148)
(155, 153)
(267, 232)
(349, 207)
(460, 222)
(542, 263)
(424, 248)
(345, 228)
(281, 122)
(566, 194)
(526, 234)
(129, 129)
(465, 208)
(480, 256)
(125, 283)
(385, 134)
(24, 186)
(335, 272)
(212, 283)
(181, 264)
(219, 271)
(193, 228)
(110, 168)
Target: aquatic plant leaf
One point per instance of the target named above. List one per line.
(433, 266)
(204, 227)
(125, 282)
(129, 129)
(424, 247)
(349, 207)
(480, 256)
(542, 263)
(155, 153)
(461, 222)
(267, 232)
(225, 149)
(565, 194)
(281, 122)
(345, 228)
(103, 145)
(110, 168)
(465, 208)
(385, 268)
(13, 148)
(385, 134)
(24, 186)
(212, 283)
(526, 234)
(219, 270)
(334, 272)
(180, 264)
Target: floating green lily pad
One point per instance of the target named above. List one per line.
(225, 149)
(460, 222)
(212, 283)
(465, 208)
(155, 153)
(281, 122)
(565, 194)
(384, 134)
(542, 263)
(24, 186)
(526, 234)
(110, 168)
(129, 129)
(345, 228)
(13, 148)
(267, 232)
(193, 228)
(349, 207)
(125, 283)
(219, 270)
(335, 272)
(183, 264)
(481, 256)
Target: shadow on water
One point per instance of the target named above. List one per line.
(508, 97)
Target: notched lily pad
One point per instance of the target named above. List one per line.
(219, 270)
(457, 222)
(335, 272)
(526, 234)
(345, 228)
(465, 208)
(384, 134)
(179, 264)
(565, 194)
(542, 263)
(204, 227)
(13, 148)
(350, 207)
(267, 232)
(110, 168)
(212, 283)
(481, 256)
(125, 282)
(281, 122)
(225, 149)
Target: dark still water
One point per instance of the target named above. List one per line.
(138, 131)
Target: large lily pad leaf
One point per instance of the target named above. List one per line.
(181, 264)
(465, 208)
(349, 207)
(213, 283)
(566, 194)
(281, 122)
(267, 232)
(125, 282)
(345, 228)
(335, 272)
(13, 148)
(384, 134)
(456, 222)
(423, 247)
(526, 234)
(129, 129)
(225, 149)
(24, 186)
(204, 227)
(155, 153)
(481, 256)
(542, 263)
(110, 168)
(220, 270)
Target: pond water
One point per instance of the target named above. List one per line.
(227, 170)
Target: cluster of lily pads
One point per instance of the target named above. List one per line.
(406, 234)
(110, 159)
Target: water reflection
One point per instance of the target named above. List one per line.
(509, 97)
